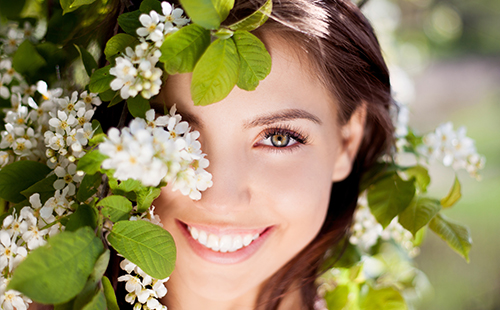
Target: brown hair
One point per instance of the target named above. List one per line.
(344, 49)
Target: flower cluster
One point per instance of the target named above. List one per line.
(453, 148)
(366, 231)
(15, 36)
(153, 150)
(142, 287)
(135, 70)
(24, 232)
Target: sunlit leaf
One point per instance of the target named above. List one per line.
(387, 298)
(116, 208)
(456, 235)
(145, 198)
(91, 162)
(148, 246)
(390, 196)
(254, 20)
(453, 196)
(421, 175)
(182, 49)
(57, 272)
(109, 293)
(255, 61)
(88, 60)
(419, 213)
(207, 13)
(216, 73)
(337, 299)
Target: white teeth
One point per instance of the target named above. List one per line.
(226, 243)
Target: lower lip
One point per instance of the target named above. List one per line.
(227, 258)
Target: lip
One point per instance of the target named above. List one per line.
(227, 258)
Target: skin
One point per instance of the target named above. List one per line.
(256, 184)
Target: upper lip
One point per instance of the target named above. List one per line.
(225, 229)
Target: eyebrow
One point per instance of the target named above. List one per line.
(193, 120)
(281, 116)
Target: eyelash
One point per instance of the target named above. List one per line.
(285, 130)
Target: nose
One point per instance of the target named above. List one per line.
(230, 192)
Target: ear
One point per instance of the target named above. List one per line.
(351, 135)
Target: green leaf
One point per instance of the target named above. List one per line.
(57, 272)
(376, 173)
(89, 186)
(100, 80)
(254, 20)
(108, 95)
(255, 61)
(419, 213)
(27, 60)
(116, 100)
(453, 196)
(117, 45)
(346, 256)
(116, 208)
(109, 293)
(148, 246)
(91, 162)
(86, 296)
(88, 60)
(13, 178)
(129, 22)
(207, 13)
(44, 187)
(72, 5)
(97, 303)
(456, 235)
(216, 73)
(387, 298)
(389, 197)
(85, 215)
(421, 175)
(138, 106)
(11, 9)
(127, 185)
(145, 198)
(337, 299)
(182, 49)
(150, 5)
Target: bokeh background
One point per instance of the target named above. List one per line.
(446, 54)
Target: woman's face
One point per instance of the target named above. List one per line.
(273, 154)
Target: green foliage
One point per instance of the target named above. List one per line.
(138, 106)
(150, 5)
(117, 44)
(98, 302)
(57, 272)
(116, 208)
(109, 293)
(255, 61)
(27, 60)
(88, 60)
(145, 198)
(337, 299)
(254, 20)
(88, 187)
(207, 13)
(384, 298)
(421, 176)
(182, 49)
(13, 178)
(419, 213)
(89, 298)
(85, 215)
(44, 187)
(453, 196)
(91, 162)
(129, 22)
(216, 73)
(100, 80)
(72, 5)
(11, 9)
(389, 197)
(456, 235)
(148, 246)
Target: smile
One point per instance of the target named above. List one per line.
(224, 246)
(224, 243)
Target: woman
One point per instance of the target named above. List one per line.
(261, 235)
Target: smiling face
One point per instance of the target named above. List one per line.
(273, 154)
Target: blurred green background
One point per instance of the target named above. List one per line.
(451, 50)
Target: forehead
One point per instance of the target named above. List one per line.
(292, 84)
